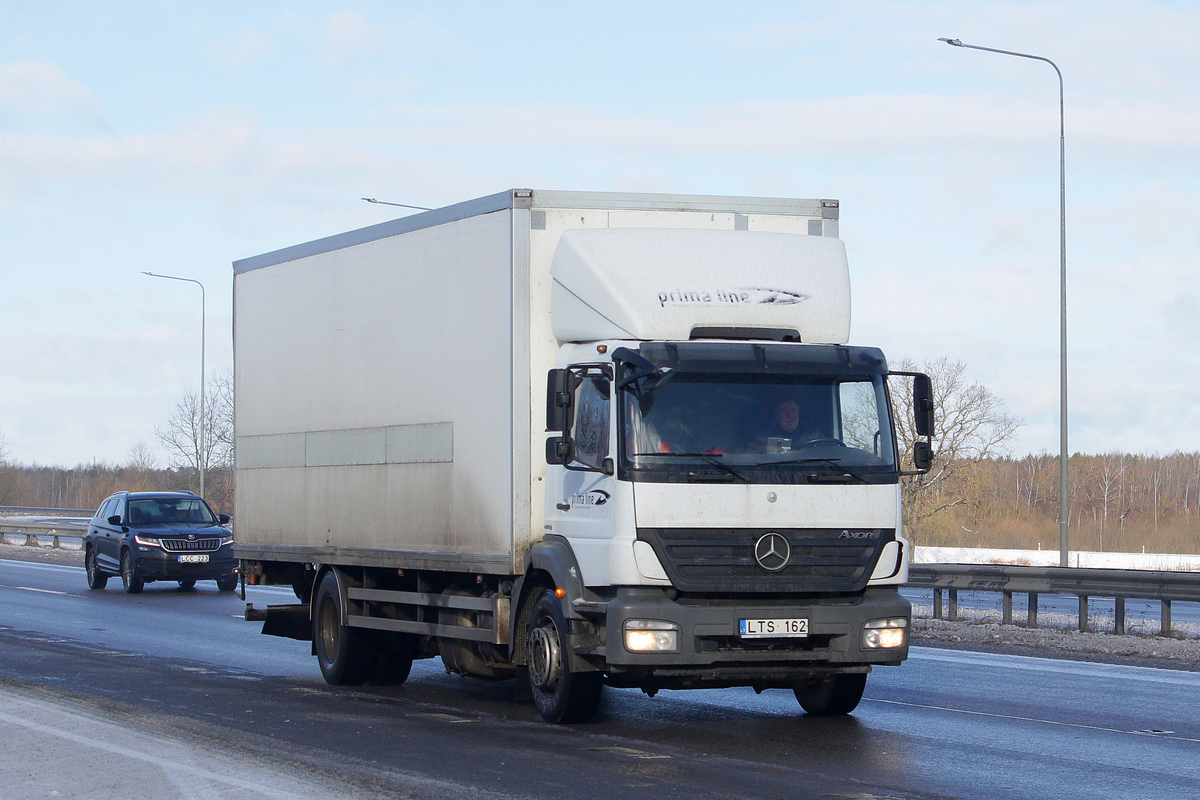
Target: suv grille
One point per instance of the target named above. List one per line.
(190, 546)
(723, 560)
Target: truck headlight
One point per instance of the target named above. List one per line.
(885, 634)
(651, 636)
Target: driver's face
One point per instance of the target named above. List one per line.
(787, 414)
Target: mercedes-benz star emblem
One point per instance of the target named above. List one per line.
(772, 552)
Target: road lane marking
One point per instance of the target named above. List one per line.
(170, 766)
(42, 591)
(1015, 718)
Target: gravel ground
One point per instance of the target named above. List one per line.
(976, 630)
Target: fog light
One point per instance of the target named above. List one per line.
(884, 634)
(651, 636)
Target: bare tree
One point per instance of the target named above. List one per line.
(180, 434)
(8, 475)
(140, 469)
(971, 428)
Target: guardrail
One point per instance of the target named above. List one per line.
(1085, 583)
(45, 512)
(36, 528)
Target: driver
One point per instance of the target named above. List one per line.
(787, 433)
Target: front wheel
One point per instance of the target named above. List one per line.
(129, 576)
(227, 583)
(95, 578)
(559, 694)
(346, 655)
(832, 695)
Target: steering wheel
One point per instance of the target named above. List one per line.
(823, 443)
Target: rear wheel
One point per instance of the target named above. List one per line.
(394, 658)
(188, 584)
(347, 656)
(831, 695)
(559, 694)
(129, 576)
(95, 578)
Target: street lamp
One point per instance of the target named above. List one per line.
(1064, 506)
(201, 456)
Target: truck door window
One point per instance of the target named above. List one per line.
(859, 411)
(590, 425)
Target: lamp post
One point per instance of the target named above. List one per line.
(202, 455)
(1064, 506)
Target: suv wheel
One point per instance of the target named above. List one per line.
(95, 578)
(129, 577)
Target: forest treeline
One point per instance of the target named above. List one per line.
(85, 486)
(1118, 501)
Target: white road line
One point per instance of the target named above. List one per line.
(1066, 666)
(171, 766)
(8, 562)
(1015, 718)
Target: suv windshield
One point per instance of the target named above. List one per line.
(170, 511)
(781, 422)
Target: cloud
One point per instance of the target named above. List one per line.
(349, 36)
(240, 48)
(37, 93)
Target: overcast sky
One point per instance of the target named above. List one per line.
(176, 138)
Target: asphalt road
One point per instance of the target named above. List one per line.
(98, 687)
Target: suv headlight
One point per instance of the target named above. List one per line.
(226, 539)
(147, 541)
(885, 634)
(651, 636)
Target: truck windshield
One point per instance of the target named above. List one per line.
(759, 428)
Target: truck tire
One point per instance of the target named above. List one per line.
(394, 657)
(559, 694)
(346, 655)
(95, 578)
(832, 695)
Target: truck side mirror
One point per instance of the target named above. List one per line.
(923, 404)
(559, 450)
(922, 455)
(558, 400)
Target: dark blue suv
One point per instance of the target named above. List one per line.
(159, 536)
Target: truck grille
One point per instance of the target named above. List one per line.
(723, 560)
(190, 545)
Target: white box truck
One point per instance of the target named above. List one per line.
(576, 439)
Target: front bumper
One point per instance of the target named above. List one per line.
(711, 653)
(156, 564)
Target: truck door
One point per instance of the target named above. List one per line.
(579, 506)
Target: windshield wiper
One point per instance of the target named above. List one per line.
(832, 462)
(709, 458)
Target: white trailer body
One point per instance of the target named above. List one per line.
(398, 461)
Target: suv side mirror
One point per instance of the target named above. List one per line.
(223, 519)
(115, 519)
